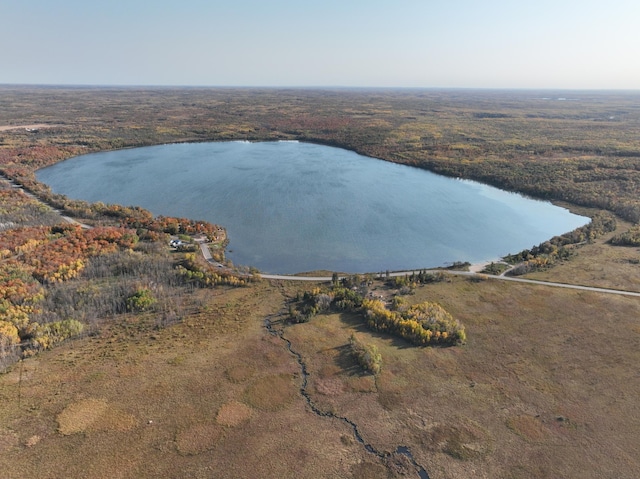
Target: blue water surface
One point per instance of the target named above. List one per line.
(291, 207)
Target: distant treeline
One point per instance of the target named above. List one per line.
(586, 152)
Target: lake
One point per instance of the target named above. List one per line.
(291, 207)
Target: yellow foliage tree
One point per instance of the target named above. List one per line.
(8, 334)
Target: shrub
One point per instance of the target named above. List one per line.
(366, 355)
(546, 254)
(50, 334)
(8, 335)
(629, 238)
(422, 324)
(141, 300)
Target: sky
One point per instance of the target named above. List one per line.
(551, 44)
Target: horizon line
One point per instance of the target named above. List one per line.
(311, 87)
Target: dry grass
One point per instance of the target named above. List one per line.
(240, 373)
(543, 371)
(271, 393)
(198, 438)
(8, 440)
(93, 415)
(233, 413)
(80, 416)
(529, 427)
(188, 389)
(545, 387)
(599, 264)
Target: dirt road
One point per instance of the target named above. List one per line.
(471, 273)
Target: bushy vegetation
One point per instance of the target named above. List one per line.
(18, 209)
(205, 275)
(59, 253)
(422, 324)
(57, 280)
(408, 282)
(556, 249)
(495, 269)
(36, 258)
(141, 300)
(366, 355)
(628, 238)
(48, 335)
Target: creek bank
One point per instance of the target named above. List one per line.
(400, 451)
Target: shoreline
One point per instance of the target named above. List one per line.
(473, 269)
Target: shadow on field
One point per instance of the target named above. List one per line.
(347, 364)
(357, 322)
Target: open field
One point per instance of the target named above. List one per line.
(536, 392)
(545, 386)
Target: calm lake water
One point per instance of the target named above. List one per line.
(291, 207)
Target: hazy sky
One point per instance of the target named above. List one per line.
(592, 44)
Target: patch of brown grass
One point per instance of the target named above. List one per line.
(362, 384)
(8, 440)
(79, 416)
(528, 427)
(329, 386)
(92, 415)
(271, 393)
(461, 440)
(240, 373)
(33, 440)
(369, 470)
(198, 438)
(233, 413)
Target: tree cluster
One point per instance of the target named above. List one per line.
(204, 276)
(35, 257)
(628, 238)
(366, 355)
(556, 249)
(421, 324)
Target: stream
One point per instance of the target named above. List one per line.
(400, 450)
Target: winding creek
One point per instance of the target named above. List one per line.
(400, 450)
